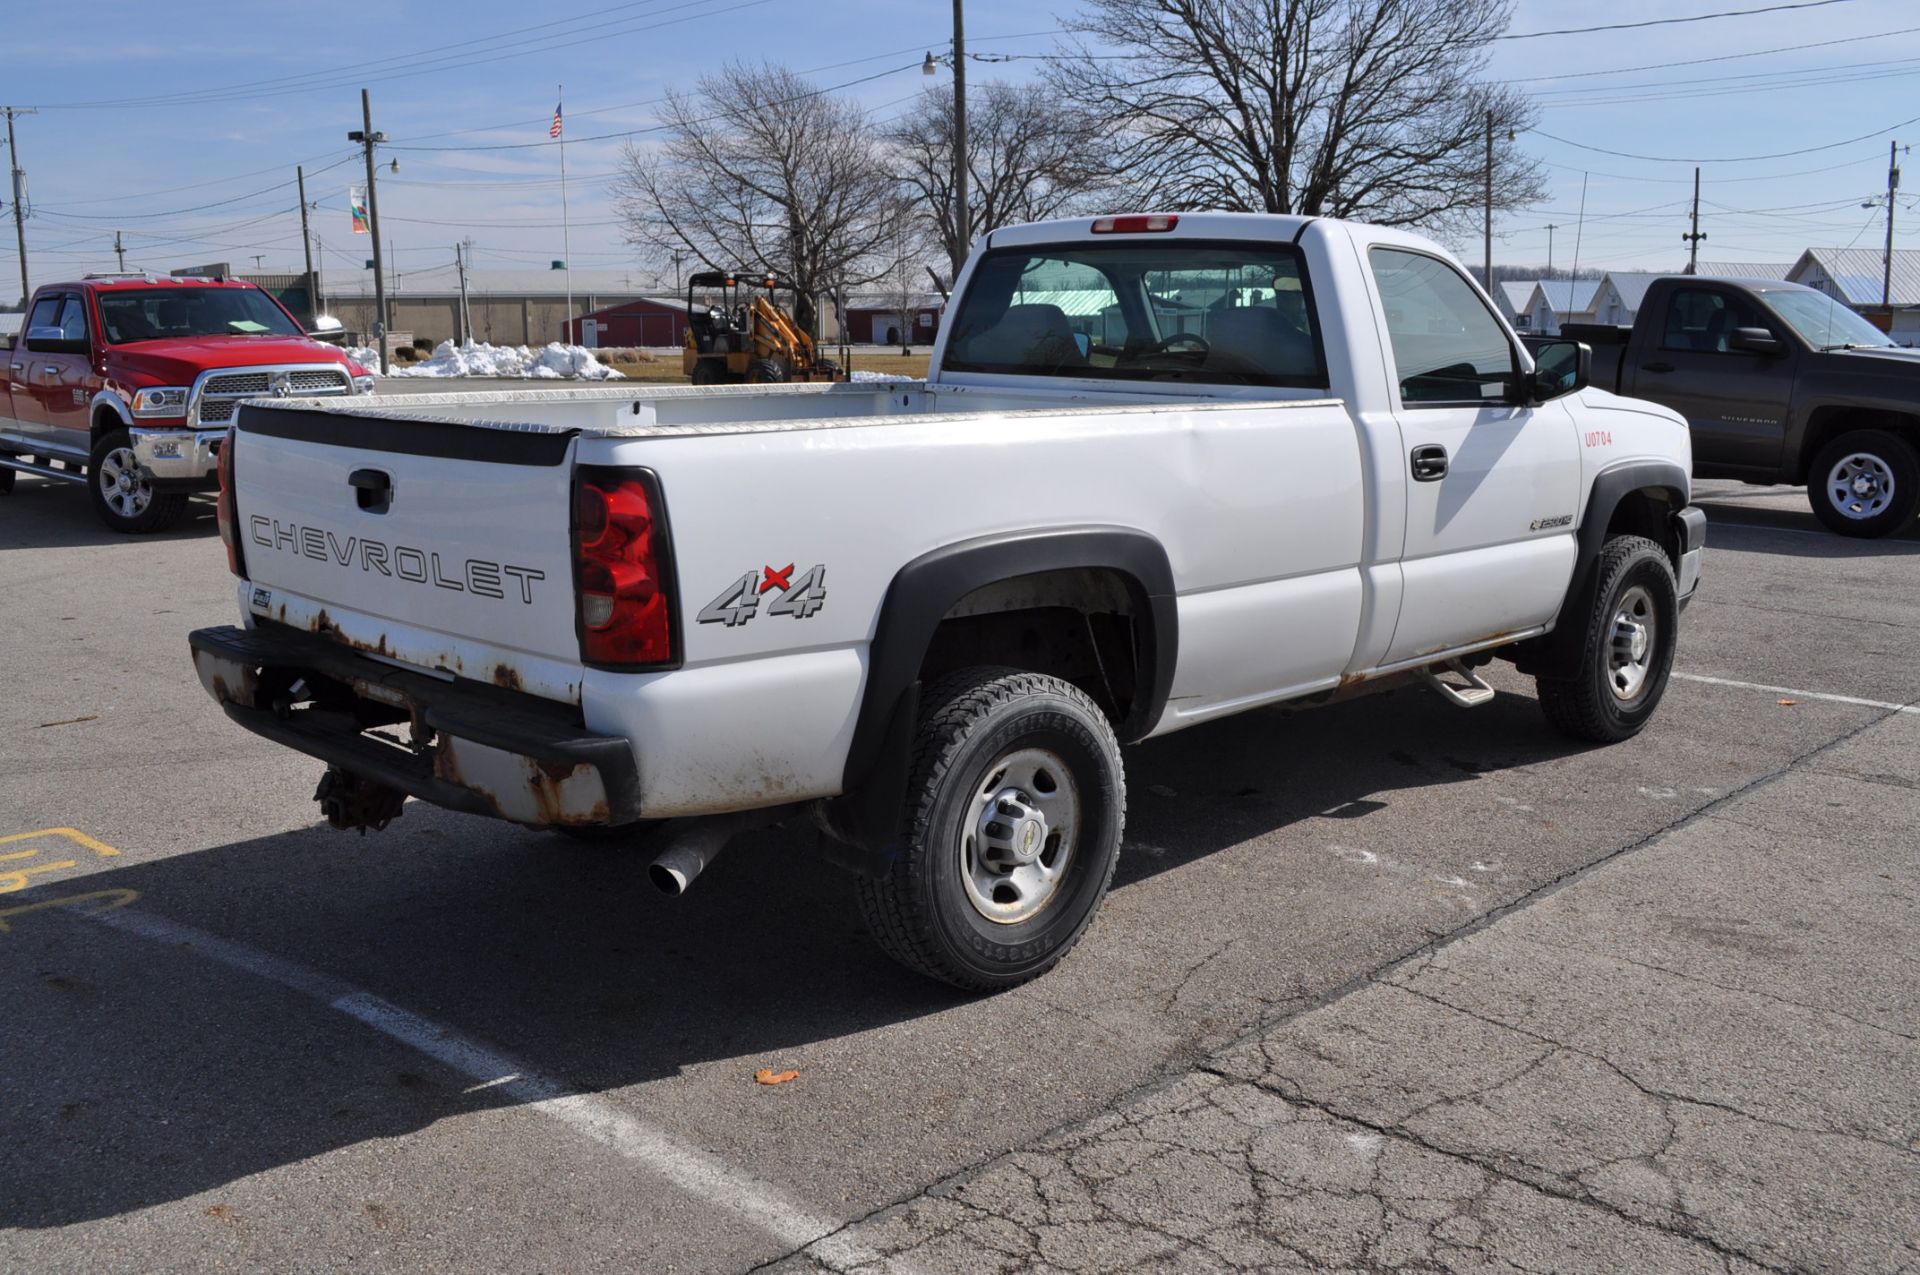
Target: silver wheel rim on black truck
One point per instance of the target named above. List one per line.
(1018, 839)
(1861, 486)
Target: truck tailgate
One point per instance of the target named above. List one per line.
(440, 545)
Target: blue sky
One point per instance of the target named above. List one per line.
(271, 83)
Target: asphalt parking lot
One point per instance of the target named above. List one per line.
(237, 1040)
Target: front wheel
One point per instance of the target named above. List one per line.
(1012, 829)
(123, 496)
(1864, 483)
(1627, 650)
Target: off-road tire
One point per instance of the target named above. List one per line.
(1585, 706)
(112, 452)
(1886, 454)
(707, 372)
(767, 372)
(918, 908)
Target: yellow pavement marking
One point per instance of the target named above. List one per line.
(74, 835)
(119, 899)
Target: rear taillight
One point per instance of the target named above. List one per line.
(223, 510)
(623, 569)
(1135, 225)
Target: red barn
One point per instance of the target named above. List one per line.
(870, 324)
(649, 321)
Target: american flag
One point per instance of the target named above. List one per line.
(555, 130)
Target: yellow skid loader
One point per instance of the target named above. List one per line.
(735, 335)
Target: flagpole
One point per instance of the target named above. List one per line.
(566, 230)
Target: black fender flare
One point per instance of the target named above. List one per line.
(1559, 651)
(873, 782)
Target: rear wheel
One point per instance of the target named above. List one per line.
(706, 372)
(1865, 483)
(767, 372)
(1012, 829)
(1627, 650)
(124, 497)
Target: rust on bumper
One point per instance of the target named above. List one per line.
(475, 747)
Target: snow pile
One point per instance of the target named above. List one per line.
(365, 355)
(553, 362)
(884, 377)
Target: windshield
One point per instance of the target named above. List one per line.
(1222, 314)
(1824, 322)
(163, 313)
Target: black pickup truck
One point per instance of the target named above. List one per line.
(1780, 384)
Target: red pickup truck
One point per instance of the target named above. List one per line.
(127, 383)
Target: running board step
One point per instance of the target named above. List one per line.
(1475, 693)
(45, 471)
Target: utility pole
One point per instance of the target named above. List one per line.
(19, 196)
(1550, 229)
(1886, 262)
(466, 319)
(120, 251)
(1489, 223)
(1693, 239)
(961, 216)
(306, 244)
(368, 139)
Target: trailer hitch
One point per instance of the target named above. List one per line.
(348, 801)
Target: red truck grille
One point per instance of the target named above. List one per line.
(223, 392)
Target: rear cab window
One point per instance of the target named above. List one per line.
(1189, 311)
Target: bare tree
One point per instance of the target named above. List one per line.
(760, 171)
(1371, 109)
(1033, 155)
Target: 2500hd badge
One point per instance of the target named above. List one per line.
(402, 562)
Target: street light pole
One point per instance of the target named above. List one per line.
(367, 139)
(1489, 209)
(962, 232)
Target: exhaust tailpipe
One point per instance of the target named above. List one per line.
(691, 848)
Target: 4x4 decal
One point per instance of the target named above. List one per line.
(740, 601)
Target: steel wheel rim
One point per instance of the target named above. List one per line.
(1860, 486)
(1631, 643)
(1019, 836)
(121, 485)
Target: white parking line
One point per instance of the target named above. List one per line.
(1796, 694)
(692, 1170)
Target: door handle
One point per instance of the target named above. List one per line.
(51, 371)
(1656, 367)
(1429, 463)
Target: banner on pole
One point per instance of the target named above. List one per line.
(357, 203)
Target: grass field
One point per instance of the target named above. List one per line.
(664, 370)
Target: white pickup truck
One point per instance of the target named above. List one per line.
(1164, 469)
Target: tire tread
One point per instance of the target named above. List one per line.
(898, 911)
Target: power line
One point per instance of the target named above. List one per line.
(311, 79)
(1725, 159)
(1664, 22)
(660, 128)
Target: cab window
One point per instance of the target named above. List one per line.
(73, 320)
(1702, 320)
(1447, 345)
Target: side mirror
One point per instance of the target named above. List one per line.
(1560, 368)
(1755, 341)
(52, 341)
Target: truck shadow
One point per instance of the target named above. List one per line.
(1743, 520)
(41, 513)
(142, 1072)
